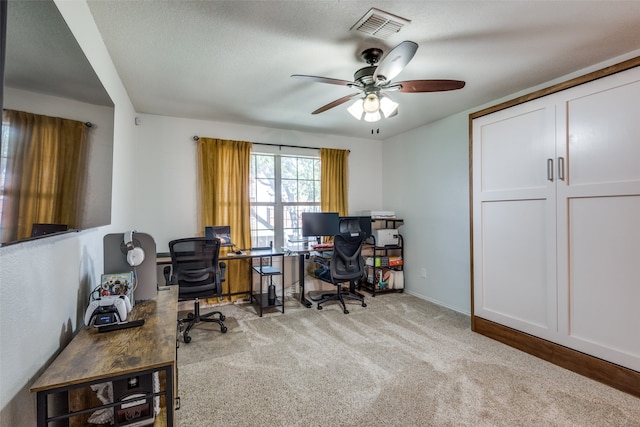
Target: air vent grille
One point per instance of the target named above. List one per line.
(380, 24)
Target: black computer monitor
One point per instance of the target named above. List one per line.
(355, 224)
(318, 224)
(222, 232)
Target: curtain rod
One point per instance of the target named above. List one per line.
(90, 125)
(196, 138)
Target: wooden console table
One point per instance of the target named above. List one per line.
(94, 357)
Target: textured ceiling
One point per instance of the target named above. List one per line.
(231, 61)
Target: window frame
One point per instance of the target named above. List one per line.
(279, 240)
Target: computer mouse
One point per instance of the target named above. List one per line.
(238, 252)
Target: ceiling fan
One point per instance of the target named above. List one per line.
(374, 81)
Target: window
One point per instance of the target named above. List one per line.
(282, 187)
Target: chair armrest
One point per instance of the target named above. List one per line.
(220, 278)
(223, 269)
(167, 273)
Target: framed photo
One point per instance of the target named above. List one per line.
(117, 284)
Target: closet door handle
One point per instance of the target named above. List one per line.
(561, 168)
(550, 169)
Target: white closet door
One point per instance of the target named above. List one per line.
(599, 219)
(514, 218)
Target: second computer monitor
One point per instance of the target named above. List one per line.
(318, 224)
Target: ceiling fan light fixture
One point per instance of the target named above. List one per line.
(371, 103)
(372, 117)
(356, 109)
(388, 107)
(373, 108)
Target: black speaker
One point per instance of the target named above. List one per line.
(271, 294)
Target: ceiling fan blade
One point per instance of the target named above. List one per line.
(324, 80)
(412, 86)
(336, 103)
(395, 61)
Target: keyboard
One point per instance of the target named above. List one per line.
(322, 245)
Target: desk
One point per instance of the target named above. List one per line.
(266, 272)
(164, 258)
(94, 357)
(303, 251)
(250, 255)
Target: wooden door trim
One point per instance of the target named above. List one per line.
(595, 75)
(616, 376)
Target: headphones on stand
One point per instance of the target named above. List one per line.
(135, 254)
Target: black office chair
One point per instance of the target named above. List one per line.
(196, 271)
(346, 265)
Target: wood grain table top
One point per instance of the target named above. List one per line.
(93, 355)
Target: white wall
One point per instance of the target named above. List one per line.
(165, 160)
(426, 181)
(45, 284)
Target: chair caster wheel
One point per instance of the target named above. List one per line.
(223, 329)
(346, 311)
(222, 317)
(364, 305)
(190, 316)
(319, 307)
(187, 339)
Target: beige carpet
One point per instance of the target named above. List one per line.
(401, 361)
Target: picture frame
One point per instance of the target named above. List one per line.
(116, 284)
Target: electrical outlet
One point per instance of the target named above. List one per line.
(423, 273)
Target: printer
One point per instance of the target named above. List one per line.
(386, 236)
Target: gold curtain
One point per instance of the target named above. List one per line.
(334, 182)
(224, 168)
(45, 172)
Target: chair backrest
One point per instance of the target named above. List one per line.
(195, 267)
(349, 225)
(346, 261)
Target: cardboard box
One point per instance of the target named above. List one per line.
(395, 261)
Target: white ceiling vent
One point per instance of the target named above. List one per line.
(380, 24)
